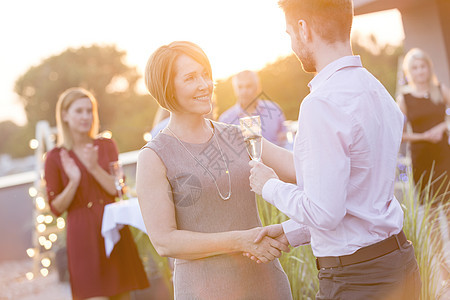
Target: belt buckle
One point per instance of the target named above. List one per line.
(399, 245)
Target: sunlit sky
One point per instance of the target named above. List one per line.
(235, 34)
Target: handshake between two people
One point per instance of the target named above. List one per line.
(270, 241)
(266, 243)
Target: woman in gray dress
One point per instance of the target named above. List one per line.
(193, 189)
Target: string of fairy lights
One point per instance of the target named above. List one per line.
(48, 229)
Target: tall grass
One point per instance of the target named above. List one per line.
(299, 264)
(421, 226)
(155, 265)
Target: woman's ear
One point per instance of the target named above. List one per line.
(64, 116)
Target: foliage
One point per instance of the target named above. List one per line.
(100, 69)
(381, 60)
(155, 265)
(136, 118)
(421, 226)
(299, 264)
(13, 135)
(93, 68)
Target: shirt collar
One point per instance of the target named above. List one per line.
(333, 67)
(244, 112)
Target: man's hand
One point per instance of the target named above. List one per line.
(273, 231)
(259, 175)
(265, 250)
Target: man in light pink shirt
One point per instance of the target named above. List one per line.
(345, 154)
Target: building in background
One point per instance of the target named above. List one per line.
(426, 24)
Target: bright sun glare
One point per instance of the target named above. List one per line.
(235, 34)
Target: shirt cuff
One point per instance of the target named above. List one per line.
(268, 190)
(297, 234)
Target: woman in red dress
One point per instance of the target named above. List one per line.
(78, 182)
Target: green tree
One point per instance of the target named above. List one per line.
(12, 136)
(101, 70)
(381, 60)
(94, 68)
(135, 118)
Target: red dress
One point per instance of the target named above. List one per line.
(91, 272)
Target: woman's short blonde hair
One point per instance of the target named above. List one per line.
(64, 102)
(419, 54)
(160, 71)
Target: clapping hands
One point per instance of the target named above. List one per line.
(70, 167)
(89, 156)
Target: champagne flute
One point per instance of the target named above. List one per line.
(116, 170)
(251, 130)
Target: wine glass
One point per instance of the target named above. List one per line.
(251, 130)
(116, 170)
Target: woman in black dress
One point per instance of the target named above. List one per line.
(424, 102)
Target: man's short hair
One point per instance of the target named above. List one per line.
(330, 19)
(245, 74)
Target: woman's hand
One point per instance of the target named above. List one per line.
(70, 167)
(63, 200)
(89, 156)
(273, 231)
(435, 134)
(267, 249)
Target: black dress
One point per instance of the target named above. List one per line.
(423, 114)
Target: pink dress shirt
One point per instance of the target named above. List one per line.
(345, 155)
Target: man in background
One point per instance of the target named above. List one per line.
(247, 88)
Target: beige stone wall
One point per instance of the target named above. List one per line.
(426, 24)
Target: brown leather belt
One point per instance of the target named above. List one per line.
(363, 254)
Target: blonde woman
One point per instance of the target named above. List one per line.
(193, 189)
(76, 172)
(423, 101)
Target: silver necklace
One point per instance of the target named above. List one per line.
(228, 196)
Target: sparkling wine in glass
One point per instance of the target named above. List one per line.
(251, 130)
(116, 170)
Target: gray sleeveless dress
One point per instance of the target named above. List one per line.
(199, 208)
